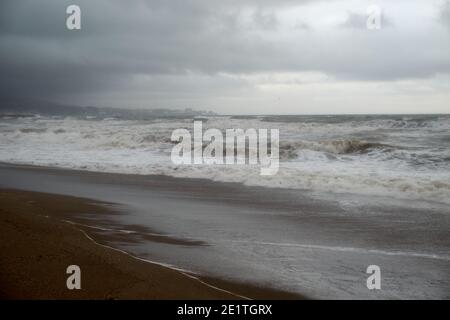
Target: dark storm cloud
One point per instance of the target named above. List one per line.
(122, 41)
(119, 40)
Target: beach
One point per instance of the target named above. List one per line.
(38, 244)
(236, 237)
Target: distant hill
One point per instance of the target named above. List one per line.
(47, 108)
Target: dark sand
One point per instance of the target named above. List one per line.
(37, 245)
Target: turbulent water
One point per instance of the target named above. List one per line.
(405, 157)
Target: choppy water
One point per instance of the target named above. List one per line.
(405, 157)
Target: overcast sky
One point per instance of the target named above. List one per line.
(230, 56)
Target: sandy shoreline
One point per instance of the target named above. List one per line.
(269, 238)
(37, 246)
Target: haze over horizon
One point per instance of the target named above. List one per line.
(230, 57)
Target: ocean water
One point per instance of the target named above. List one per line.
(397, 156)
(362, 190)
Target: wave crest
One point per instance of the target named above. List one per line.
(341, 146)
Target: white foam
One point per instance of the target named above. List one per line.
(323, 157)
(350, 249)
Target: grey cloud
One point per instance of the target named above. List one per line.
(359, 21)
(445, 13)
(301, 25)
(160, 39)
(355, 20)
(265, 20)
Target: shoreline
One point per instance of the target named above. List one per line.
(196, 187)
(268, 238)
(38, 244)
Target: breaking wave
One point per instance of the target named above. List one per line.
(401, 157)
(341, 146)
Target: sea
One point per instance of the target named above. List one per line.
(352, 191)
(398, 156)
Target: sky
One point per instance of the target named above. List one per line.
(230, 56)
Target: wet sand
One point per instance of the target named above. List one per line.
(37, 243)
